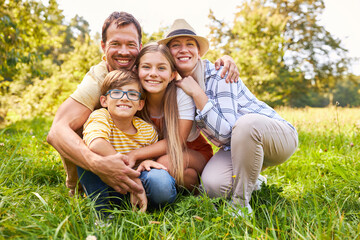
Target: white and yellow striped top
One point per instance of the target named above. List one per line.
(101, 125)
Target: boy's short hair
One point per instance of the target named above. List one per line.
(118, 78)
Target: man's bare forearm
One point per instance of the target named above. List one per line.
(71, 146)
(70, 117)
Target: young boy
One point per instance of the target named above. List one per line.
(115, 129)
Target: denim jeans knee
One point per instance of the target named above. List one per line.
(98, 191)
(159, 186)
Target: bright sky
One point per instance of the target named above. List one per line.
(340, 17)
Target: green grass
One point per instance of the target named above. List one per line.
(314, 195)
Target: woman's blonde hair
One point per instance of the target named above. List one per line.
(169, 126)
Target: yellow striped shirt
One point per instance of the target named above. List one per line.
(101, 125)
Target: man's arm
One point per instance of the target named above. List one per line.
(70, 117)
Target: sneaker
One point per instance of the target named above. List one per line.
(104, 223)
(259, 181)
(237, 210)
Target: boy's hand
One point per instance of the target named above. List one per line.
(139, 200)
(131, 159)
(148, 164)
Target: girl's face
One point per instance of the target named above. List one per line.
(186, 54)
(155, 72)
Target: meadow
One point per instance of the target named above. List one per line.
(314, 195)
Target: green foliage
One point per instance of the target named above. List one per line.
(347, 92)
(29, 33)
(155, 36)
(59, 55)
(313, 195)
(45, 96)
(283, 54)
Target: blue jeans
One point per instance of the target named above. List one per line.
(159, 186)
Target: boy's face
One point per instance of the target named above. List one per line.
(124, 108)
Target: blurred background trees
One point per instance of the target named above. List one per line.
(285, 57)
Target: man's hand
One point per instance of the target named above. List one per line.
(139, 199)
(114, 172)
(229, 66)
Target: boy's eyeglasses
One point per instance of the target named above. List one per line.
(119, 94)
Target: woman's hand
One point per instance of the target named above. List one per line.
(189, 86)
(193, 89)
(148, 164)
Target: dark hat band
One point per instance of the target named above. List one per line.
(181, 32)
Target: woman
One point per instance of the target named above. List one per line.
(252, 136)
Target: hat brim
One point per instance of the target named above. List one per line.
(203, 42)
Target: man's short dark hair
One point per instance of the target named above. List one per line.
(120, 19)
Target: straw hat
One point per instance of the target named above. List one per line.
(181, 28)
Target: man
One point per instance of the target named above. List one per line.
(121, 43)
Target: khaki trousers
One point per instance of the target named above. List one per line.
(257, 142)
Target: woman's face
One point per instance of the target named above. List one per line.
(186, 54)
(155, 72)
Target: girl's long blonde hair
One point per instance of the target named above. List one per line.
(169, 126)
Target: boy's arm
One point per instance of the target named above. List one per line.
(70, 117)
(104, 148)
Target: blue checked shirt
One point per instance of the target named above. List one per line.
(227, 103)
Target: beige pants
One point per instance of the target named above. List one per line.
(257, 142)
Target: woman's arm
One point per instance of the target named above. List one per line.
(216, 123)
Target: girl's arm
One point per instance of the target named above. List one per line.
(159, 148)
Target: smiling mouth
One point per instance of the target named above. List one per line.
(184, 58)
(123, 106)
(123, 62)
(152, 81)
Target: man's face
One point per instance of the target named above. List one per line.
(121, 47)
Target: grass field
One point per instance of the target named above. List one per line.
(314, 195)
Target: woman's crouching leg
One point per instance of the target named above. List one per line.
(216, 178)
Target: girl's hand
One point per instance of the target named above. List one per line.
(148, 164)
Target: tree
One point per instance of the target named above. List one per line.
(42, 57)
(29, 30)
(281, 49)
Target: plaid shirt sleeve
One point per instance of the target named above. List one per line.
(218, 116)
(227, 102)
